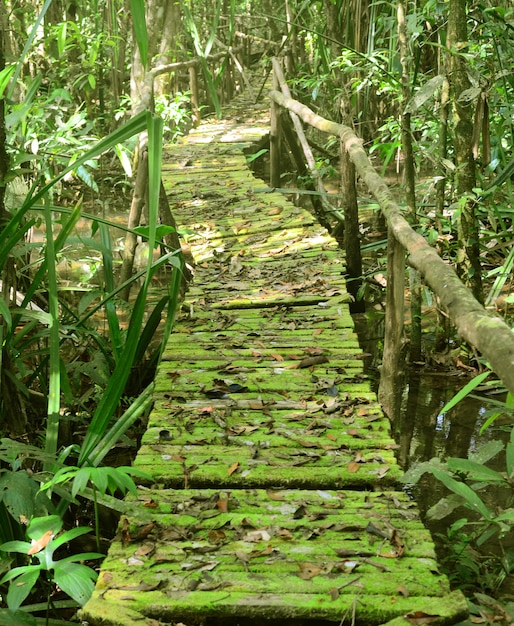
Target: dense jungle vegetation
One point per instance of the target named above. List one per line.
(88, 93)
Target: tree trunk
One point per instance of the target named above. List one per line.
(468, 260)
(410, 181)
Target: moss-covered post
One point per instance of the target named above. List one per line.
(274, 139)
(352, 243)
(195, 96)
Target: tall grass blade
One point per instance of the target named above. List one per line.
(466, 390)
(140, 31)
(110, 307)
(116, 386)
(54, 382)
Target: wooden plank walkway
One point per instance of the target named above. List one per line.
(276, 487)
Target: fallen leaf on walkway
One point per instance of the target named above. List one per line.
(309, 362)
(202, 566)
(285, 534)
(353, 467)
(419, 617)
(222, 504)
(257, 535)
(233, 468)
(403, 591)
(267, 551)
(216, 536)
(309, 570)
(146, 549)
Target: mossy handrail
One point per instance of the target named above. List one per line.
(489, 334)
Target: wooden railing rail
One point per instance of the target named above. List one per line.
(488, 333)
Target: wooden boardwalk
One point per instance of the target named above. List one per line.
(276, 490)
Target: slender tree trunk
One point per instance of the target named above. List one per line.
(468, 261)
(410, 181)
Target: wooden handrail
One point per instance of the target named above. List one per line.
(489, 334)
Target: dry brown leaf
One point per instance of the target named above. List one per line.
(39, 544)
(277, 357)
(309, 570)
(285, 534)
(145, 549)
(403, 591)
(331, 437)
(233, 468)
(353, 467)
(215, 536)
(255, 536)
(267, 551)
(274, 495)
(311, 361)
(419, 617)
(222, 504)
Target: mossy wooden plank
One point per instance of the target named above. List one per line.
(302, 554)
(250, 466)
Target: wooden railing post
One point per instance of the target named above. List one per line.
(274, 139)
(195, 98)
(352, 243)
(391, 372)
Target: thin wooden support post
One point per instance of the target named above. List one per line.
(391, 371)
(195, 97)
(298, 158)
(352, 243)
(274, 140)
(324, 208)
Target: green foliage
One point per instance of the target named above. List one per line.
(69, 573)
(50, 345)
(490, 519)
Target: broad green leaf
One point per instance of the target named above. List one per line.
(15, 546)
(414, 473)
(124, 158)
(506, 516)
(424, 93)
(80, 481)
(19, 493)
(161, 231)
(40, 525)
(20, 588)
(475, 471)
(487, 451)
(5, 77)
(75, 580)
(69, 535)
(470, 498)
(444, 507)
(62, 33)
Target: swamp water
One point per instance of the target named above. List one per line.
(423, 432)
